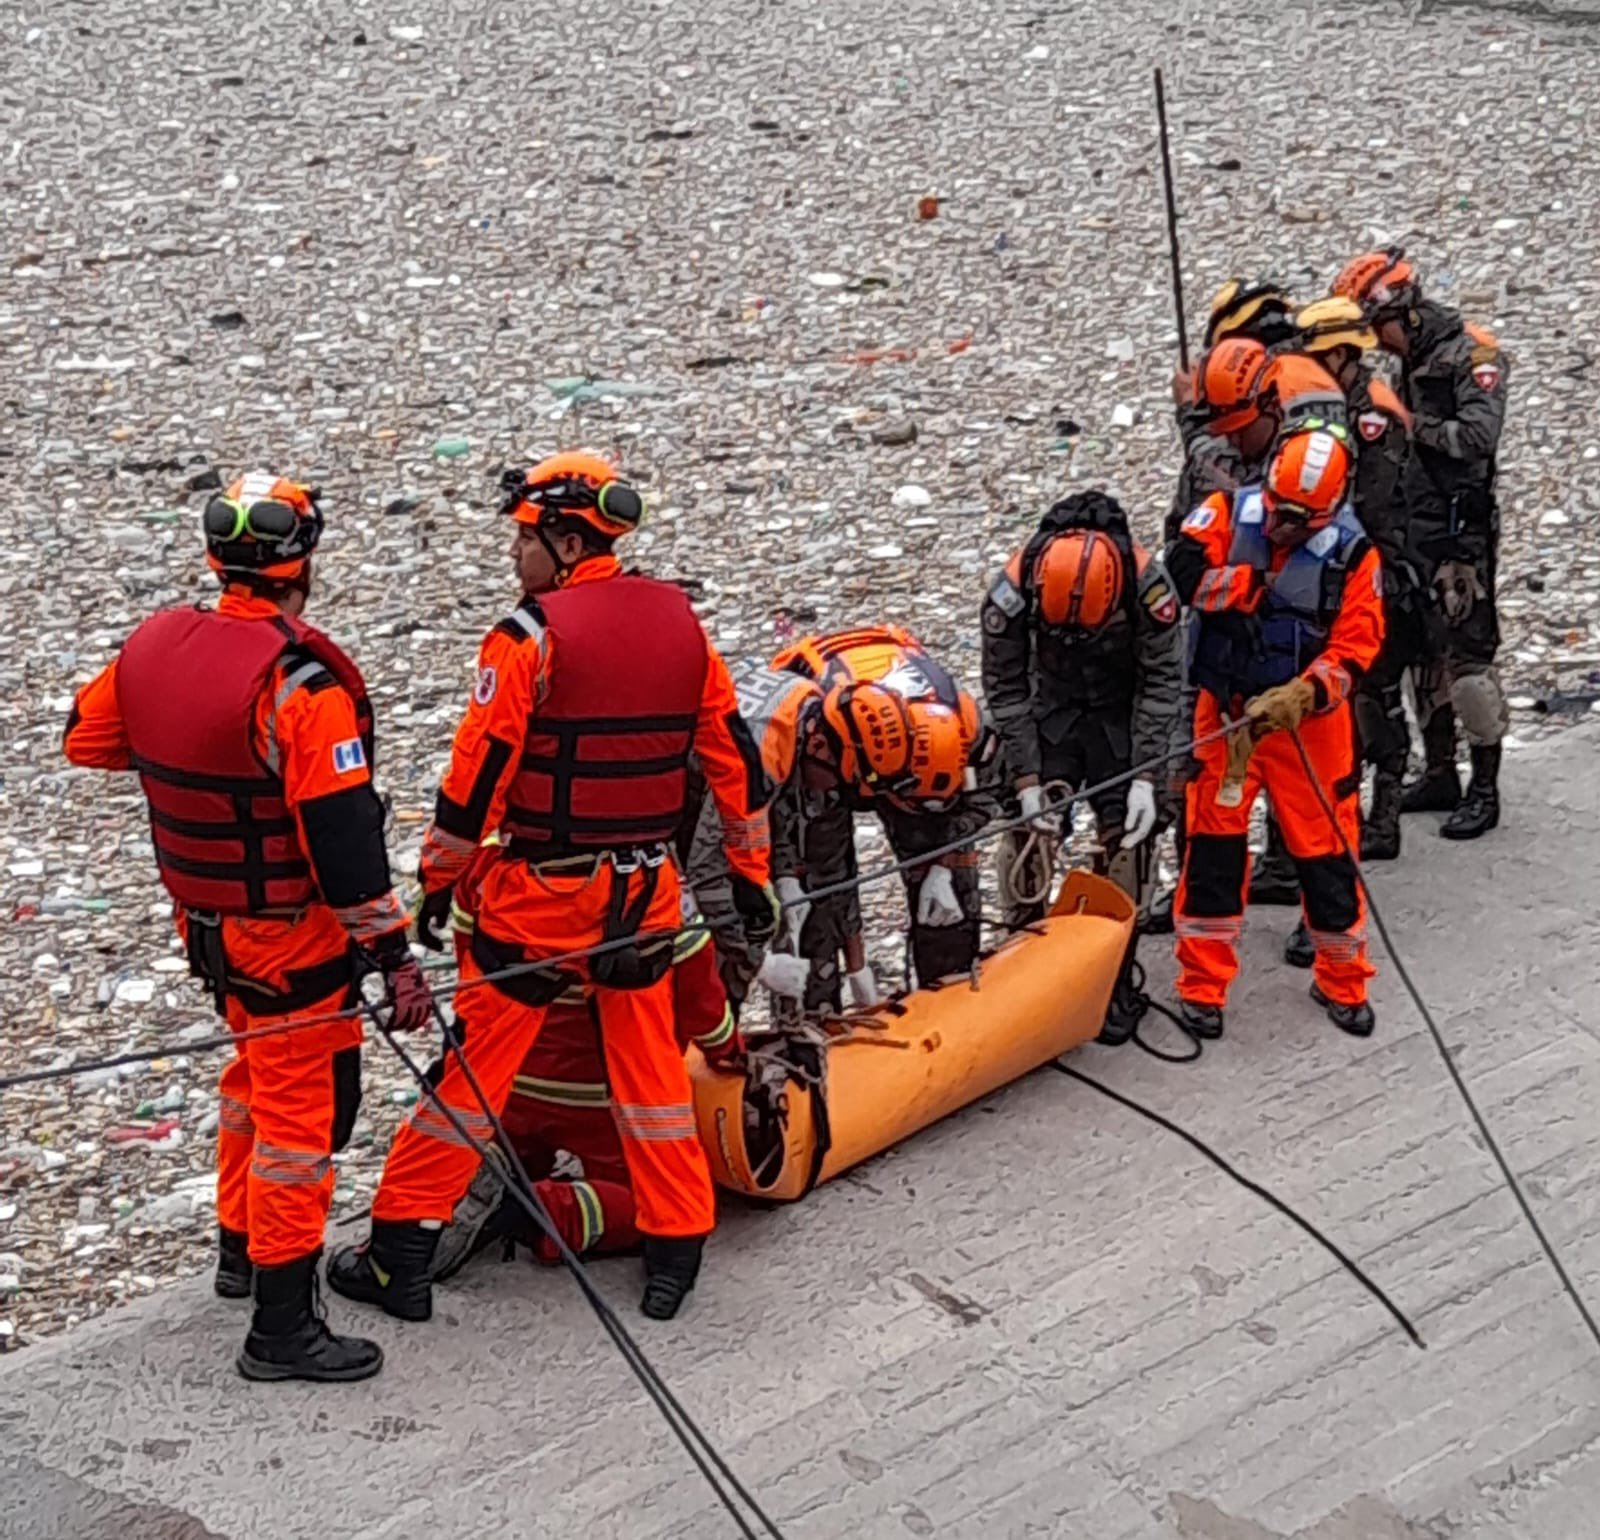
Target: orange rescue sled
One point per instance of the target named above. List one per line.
(834, 1100)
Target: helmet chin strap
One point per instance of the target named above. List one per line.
(563, 569)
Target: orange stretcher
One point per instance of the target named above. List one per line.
(820, 1101)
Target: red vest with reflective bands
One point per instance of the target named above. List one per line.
(187, 683)
(605, 760)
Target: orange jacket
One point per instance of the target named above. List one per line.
(1204, 577)
(516, 663)
(343, 836)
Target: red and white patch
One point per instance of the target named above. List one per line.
(1487, 376)
(1373, 425)
(1166, 612)
(483, 690)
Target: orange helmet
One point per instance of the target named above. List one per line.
(262, 526)
(1381, 282)
(1077, 580)
(1305, 483)
(1228, 377)
(575, 485)
(912, 752)
(1249, 307)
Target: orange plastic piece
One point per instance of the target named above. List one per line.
(1040, 994)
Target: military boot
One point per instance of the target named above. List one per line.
(1357, 1020)
(1203, 1020)
(390, 1270)
(1479, 811)
(289, 1340)
(1438, 788)
(1380, 829)
(671, 1265)
(232, 1280)
(1274, 878)
(1126, 1011)
(1299, 951)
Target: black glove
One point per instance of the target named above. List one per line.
(433, 916)
(758, 910)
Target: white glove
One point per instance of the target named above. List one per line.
(1041, 822)
(795, 908)
(862, 987)
(784, 975)
(937, 904)
(1141, 817)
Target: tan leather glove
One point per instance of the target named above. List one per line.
(1281, 708)
(1231, 792)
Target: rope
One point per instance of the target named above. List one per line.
(519, 1186)
(1444, 1053)
(516, 970)
(1261, 1192)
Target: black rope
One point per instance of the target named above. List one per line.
(1193, 1140)
(516, 970)
(1444, 1053)
(1148, 1005)
(707, 1458)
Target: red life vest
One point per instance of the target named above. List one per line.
(187, 684)
(605, 758)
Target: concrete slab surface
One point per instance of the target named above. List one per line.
(1044, 1318)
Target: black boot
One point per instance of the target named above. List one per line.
(288, 1338)
(390, 1270)
(1380, 830)
(234, 1271)
(1126, 1011)
(1438, 789)
(1274, 878)
(1298, 951)
(485, 1214)
(1357, 1020)
(1479, 811)
(671, 1265)
(1203, 1020)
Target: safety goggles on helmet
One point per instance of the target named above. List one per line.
(578, 486)
(1382, 282)
(262, 524)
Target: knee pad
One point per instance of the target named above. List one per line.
(1328, 890)
(1480, 706)
(1213, 875)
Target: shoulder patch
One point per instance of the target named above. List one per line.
(1373, 425)
(1159, 600)
(1486, 374)
(487, 683)
(1006, 597)
(1201, 518)
(349, 756)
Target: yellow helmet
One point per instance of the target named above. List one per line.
(1338, 322)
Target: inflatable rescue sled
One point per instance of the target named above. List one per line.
(819, 1100)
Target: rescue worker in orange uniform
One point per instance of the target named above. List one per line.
(252, 738)
(1083, 673)
(1287, 592)
(779, 708)
(560, 1103)
(1454, 377)
(1336, 332)
(890, 732)
(1247, 310)
(575, 748)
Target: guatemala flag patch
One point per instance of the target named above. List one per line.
(348, 756)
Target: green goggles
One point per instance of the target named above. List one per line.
(266, 521)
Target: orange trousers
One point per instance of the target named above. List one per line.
(528, 913)
(1208, 915)
(288, 1101)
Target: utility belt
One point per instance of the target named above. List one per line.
(208, 962)
(630, 964)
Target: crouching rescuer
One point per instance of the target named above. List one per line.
(575, 747)
(252, 738)
(1287, 594)
(1083, 670)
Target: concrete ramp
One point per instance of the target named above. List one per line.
(1043, 1318)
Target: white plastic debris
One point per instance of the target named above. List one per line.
(912, 496)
